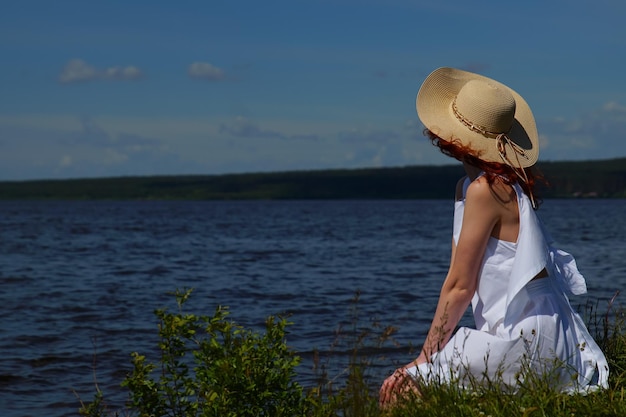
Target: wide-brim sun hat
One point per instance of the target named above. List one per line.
(486, 116)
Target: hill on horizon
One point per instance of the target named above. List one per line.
(596, 178)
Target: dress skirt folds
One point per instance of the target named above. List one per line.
(522, 324)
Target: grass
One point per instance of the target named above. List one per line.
(210, 366)
(537, 396)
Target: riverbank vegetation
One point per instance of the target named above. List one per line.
(599, 178)
(210, 366)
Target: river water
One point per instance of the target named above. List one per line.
(80, 280)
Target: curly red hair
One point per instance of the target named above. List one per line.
(460, 152)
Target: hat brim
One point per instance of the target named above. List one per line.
(434, 108)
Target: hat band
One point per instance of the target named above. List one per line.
(471, 125)
(502, 139)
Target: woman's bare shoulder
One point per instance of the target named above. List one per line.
(481, 191)
(479, 188)
(484, 191)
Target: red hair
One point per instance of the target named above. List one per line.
(463, 153)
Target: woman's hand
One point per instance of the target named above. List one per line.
(399, 383)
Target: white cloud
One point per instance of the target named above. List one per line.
(77, 70)
(205, 71)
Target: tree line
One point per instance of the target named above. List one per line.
(569, 179)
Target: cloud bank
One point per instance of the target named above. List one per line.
(77, 70)
(242, 127)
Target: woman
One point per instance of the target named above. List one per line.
(502, 260)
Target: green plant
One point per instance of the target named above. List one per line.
(210, 366)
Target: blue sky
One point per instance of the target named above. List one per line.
(93, 89)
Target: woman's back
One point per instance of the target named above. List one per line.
(489, 302)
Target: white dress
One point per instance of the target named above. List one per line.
(521, 323)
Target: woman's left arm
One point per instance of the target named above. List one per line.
(481, 214)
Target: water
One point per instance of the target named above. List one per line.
(83, 278)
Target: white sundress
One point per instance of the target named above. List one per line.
(521, 323)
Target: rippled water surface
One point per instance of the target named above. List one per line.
(79, 278)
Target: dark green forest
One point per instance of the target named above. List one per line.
(579, 179)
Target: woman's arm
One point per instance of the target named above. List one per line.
(481, 214)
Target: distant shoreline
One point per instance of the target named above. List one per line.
(568, 179)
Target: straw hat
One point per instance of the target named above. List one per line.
(481, 113)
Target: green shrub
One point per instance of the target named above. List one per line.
(210, 366)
